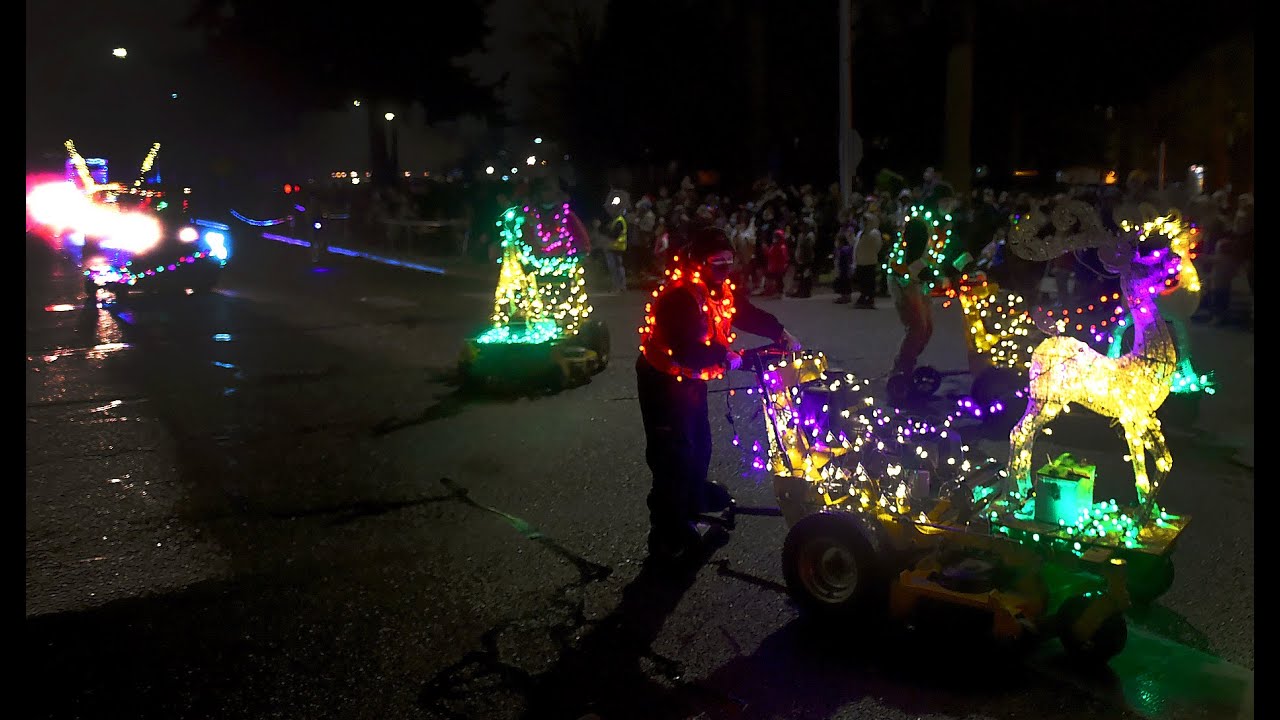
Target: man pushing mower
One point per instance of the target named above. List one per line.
(684, 343)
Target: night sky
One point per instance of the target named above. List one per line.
(674, 76)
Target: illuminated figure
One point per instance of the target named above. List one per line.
(541, 293)
(1178, 299)
(1129, 388)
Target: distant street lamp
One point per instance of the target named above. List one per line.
(537, 141)
(530, 160)
(390, 116)
(356, 103)
(488, 170)
(120, 52)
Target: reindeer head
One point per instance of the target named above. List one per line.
(1144, 263)
(1117, 254)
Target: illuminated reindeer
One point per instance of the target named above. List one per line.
(1129, 388)
(1180, 296)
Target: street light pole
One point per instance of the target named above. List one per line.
(393, 160)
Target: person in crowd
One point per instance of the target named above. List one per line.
(843, 283)
(806, 256)
(645, 225)
(744, 247)
(662, 206)
(615, 251)
(661, 246)
(777, 260)
(1232, 257)
(866, 260)
(684, 343)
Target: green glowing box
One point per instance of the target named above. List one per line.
(1064, 489)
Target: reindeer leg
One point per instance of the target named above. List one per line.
(1164, 463)
(1135, 436)
(1023, 438)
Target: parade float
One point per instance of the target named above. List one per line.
(888, 511)
(540, 333)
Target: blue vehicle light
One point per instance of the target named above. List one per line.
(212, 224)
(219, 248)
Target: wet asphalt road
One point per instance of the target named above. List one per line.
(272, 502)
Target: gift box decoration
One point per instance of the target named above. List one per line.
(1064, 490)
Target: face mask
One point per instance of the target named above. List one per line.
(719, 272)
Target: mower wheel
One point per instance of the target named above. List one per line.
(1106, 641)
(925, 381)
(595, 336)
(555, 378)
(1149, 577)
(898, 387)
(831, 570)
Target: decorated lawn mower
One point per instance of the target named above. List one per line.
(540, 334)
(886, 511)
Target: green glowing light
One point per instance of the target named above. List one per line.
(531, 334)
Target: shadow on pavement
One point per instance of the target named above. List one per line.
(610, 670)
(463, 395)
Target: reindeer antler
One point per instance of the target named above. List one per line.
(1076, 226)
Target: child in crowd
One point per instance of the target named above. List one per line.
(777, 258)
(843, 284)
(661, 246)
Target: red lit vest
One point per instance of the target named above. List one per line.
(717, 310)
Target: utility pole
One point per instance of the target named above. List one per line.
(849, 147)
(758, 101)
(958, 164)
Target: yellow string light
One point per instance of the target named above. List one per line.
(147, 162)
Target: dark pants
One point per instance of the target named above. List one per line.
(677, 446)
(803, 281)
(773, 283)
(915, 310)
(864, 279)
